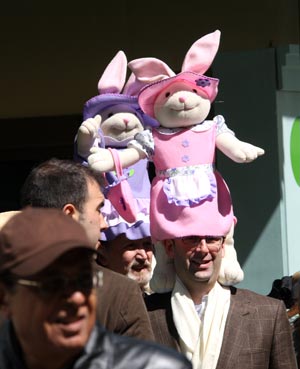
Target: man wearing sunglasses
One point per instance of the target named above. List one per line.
(48, 279)
(217, 327)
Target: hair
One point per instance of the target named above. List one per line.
(57, 182)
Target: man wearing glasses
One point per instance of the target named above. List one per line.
(48, 278)
(217, 327)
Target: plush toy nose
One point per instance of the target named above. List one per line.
(126, 121)
(181, 99)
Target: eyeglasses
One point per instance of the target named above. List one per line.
(213, 243)
(59, 285)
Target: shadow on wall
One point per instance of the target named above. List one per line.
(38, 139)
(247, 99)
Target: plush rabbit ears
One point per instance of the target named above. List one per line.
(156, 75)
(114, 75)
(113, 78)
(198, 59)
(110, 88)
(202, 53)
(149, 70)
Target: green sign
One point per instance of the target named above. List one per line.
(295, 149)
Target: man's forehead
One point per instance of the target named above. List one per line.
(94, 187)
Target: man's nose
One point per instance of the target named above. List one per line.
(76, 297)
(141, 254)
(202, 246)
(103, 224)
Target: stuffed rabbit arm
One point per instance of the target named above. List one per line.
(101, 160)
(88, 136)
(231, 146)
(143, 141)
(236, 150)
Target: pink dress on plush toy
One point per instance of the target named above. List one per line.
(188, 192)
(188, 196)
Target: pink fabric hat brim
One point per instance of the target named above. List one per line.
(149, 93)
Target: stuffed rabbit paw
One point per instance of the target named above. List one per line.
(100, 159)
(236, 150)
(87, 135)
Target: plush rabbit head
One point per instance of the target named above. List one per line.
(121, 116)
(119, 124)
(184, 99)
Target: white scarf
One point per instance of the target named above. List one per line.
(200, 339)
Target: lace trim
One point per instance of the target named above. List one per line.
(184, 171)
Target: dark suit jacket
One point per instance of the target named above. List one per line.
(121, 308)
(257, 333)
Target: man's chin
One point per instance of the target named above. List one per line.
(74, 342)
(202, 276)
(71, 336)
(142, 277)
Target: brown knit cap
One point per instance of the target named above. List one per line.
(31, 240)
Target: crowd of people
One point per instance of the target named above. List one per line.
(61, 293)
(49, 284)
(101, 269)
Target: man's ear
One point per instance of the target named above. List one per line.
(169, 247)
(70, 209)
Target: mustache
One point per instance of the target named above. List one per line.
(141, 263)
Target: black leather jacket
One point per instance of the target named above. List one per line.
(104, 350)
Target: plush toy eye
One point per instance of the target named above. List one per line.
(167, 94)
(110, 115)
(194, 90)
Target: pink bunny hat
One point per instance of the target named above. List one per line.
(158, 76)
